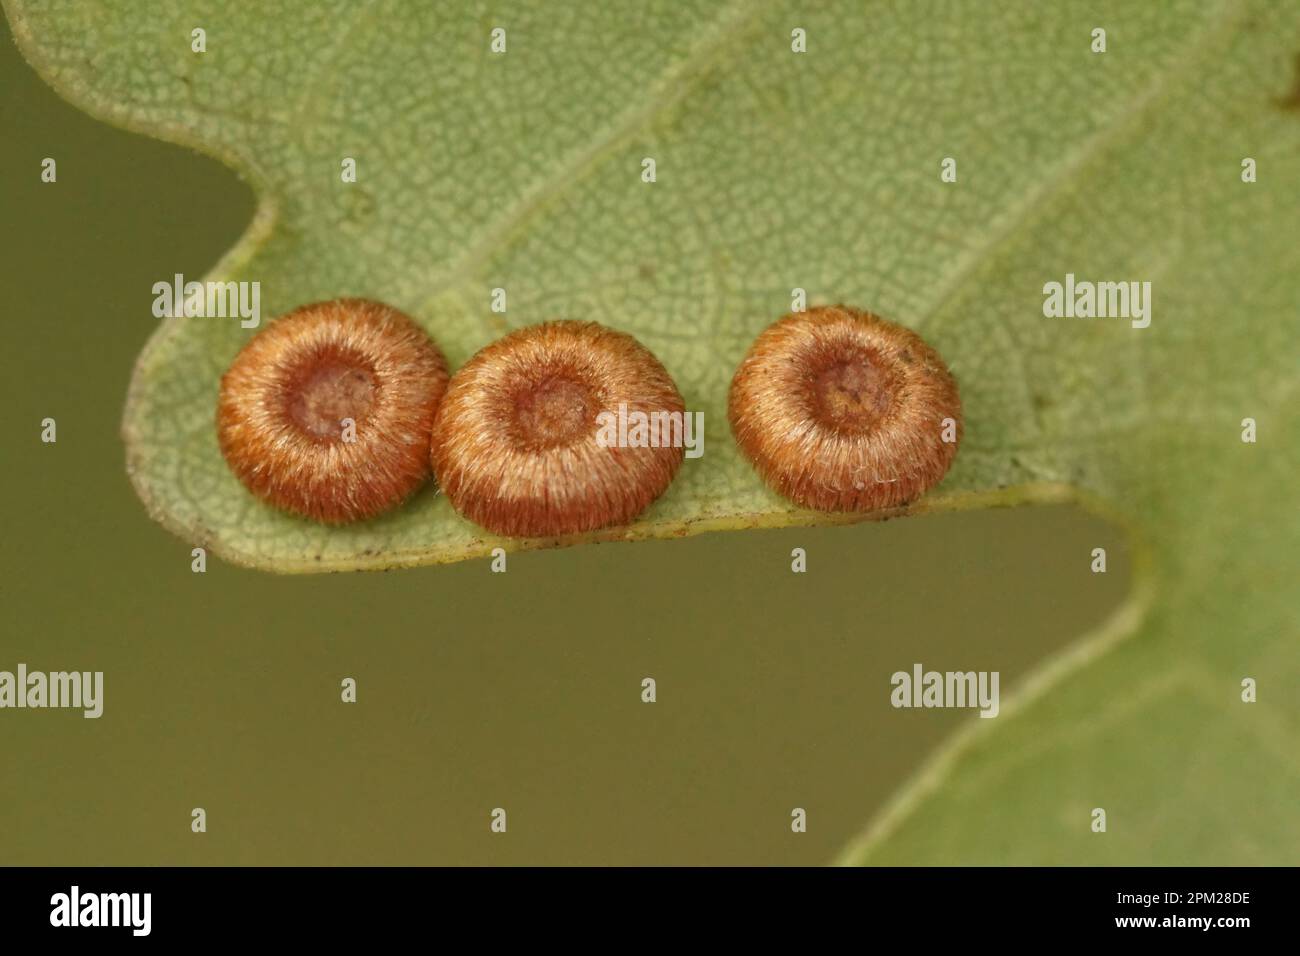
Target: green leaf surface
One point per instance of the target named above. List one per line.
(820, 170)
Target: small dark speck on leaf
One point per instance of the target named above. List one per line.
(358, 206)
(1291, 101)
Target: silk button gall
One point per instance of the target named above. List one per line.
(515, 443)
(840, 410)
(328, 411)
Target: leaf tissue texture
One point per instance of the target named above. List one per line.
(778, 170)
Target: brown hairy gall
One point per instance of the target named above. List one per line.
(516, 443)
(839, 410)
(327, 411)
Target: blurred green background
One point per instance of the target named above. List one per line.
(475, 690)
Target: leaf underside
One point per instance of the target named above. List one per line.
(778, 170)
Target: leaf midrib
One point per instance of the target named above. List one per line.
(664, 92)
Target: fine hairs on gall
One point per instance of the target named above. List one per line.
(839, 410)
(327, 411)
(515, 441)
